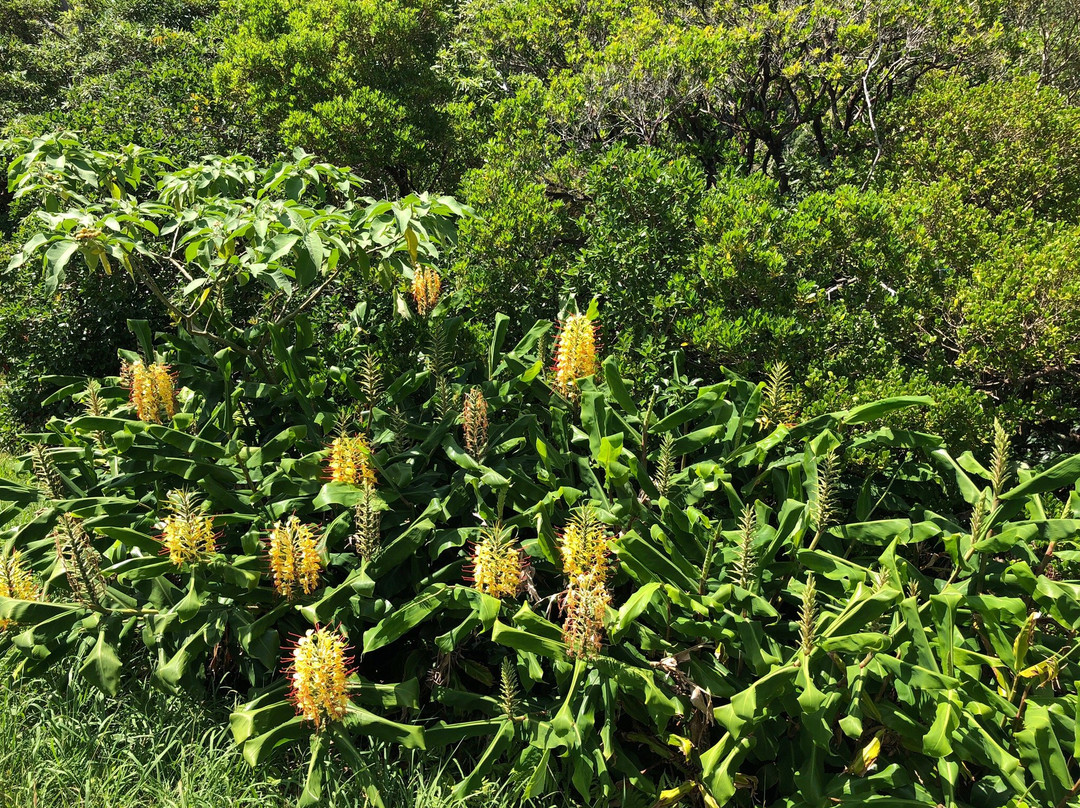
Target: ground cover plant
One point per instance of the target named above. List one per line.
(691, 596)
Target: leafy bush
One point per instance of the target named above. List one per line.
(689, 596)
(352, 80)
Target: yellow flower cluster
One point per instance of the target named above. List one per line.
(587, 565)
(350, 461)
(575, 354)
(319, 676)
(16, 581)
(583, 547)
(583, 628)
(187, 533)
(474, 418)
(497, 563)
(152, 390)
(426, 287)
(294, 558)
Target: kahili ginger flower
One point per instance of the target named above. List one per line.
(497, 563)
(586, 603)
(319, 677)
(186, 533)
(152, 390)
(575, 354)
(583, 547)
(16, 581)
(350, 461)
(474, 418)
(294, 558)
(426, 287)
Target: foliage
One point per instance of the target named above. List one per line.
(118, 71)
(954, 132)
(61, 738)
(350, 79)
(234, 252)
(712, 602)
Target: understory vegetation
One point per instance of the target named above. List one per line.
(629, 403)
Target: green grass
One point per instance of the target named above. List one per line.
(9, 470)
(62, 743)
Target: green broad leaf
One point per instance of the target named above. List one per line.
(527, 641)
(18, 493)
(258, 749)
(56, 259)
(748, 707)
(719, 765)
(387, 695)
(1042, 756)
(312, 794)
(189, 444)
(250, 721)
(879, 409)
(499, 744)
(707, 399)
(407, 617)
(102, 666)
(968, 490)
(1063, 474)
(192, 602)
(498, 337)
(617, 388)
(368, 723)
(946, 719)
(403, 547)
(635, 605)
(30, 612)
(897, 438)
(131, 537)
(334, 598)
(342, 494)
(277, 446)
(858, 643)
(864, 608)
(884, 531)
(443, 734)
(140, 568)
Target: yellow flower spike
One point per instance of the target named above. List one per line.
(294, 558)
(350, 461)
(152, 389)
(474, 418)
(16, 581)
(583, 547)
(319, 676)
(426, 288)
(497, 563)
(186, 533)
(575, 354)
(587, 600)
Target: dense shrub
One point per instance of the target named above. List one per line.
(352, 80)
